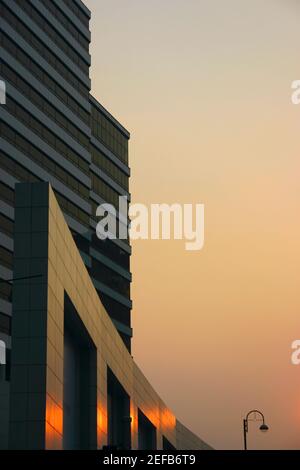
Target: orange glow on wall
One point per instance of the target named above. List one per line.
(54, 415)
(53, 425)
(134, 418)
(168, 420)
(153, 415)
(101, 418)
(101, 425)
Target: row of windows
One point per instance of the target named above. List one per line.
(22, 174)
(101, 161)
(43, 77)
(36, 43)
(7, 194)
(106, 192)
(44, 133)
(110, 278)
(116, 310)
(5, 294)
(44, 105)
(126, 340)
(73, 210)
(82, 243)
(43, 160)
(78, 12)
(65, 21)
(6, 225)
(105, 247)
(54, 35)
(94, 206)
(6, 257)
(107, 133)
(5, 321)
(16, 170)
(112, 251)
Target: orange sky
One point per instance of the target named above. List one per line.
(204, 88)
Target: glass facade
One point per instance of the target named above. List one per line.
(38, 72)
(69, 381)
(44, 105)
(109, 134)
(109, 167)
(114, 140)
(53, 130)
(7, 13)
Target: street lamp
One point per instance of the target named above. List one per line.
(263, 427)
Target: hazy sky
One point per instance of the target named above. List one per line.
(204, 87)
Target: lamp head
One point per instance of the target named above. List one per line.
(264, 427)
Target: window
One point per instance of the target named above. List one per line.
(6, 225)
(5, 323)
(46, 53)
(106, 192)
(39, 74)
(6, 258)
(54, 35)
(106, 165)
(35, 126)
(111, 137)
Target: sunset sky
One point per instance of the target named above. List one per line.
(204, 87)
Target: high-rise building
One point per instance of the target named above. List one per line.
(69, 380)
(52, 129)
(110, 259)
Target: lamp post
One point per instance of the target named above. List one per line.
(263, 427)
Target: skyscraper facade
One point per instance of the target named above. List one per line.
(53, 130)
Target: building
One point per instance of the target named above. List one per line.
(110, 259)
(54, 131)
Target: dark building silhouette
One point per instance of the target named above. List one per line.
(69, 381)
(52, 129)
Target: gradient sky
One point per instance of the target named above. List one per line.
(204, 87)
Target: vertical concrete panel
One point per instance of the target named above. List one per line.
(29, 325)
(44, 246)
